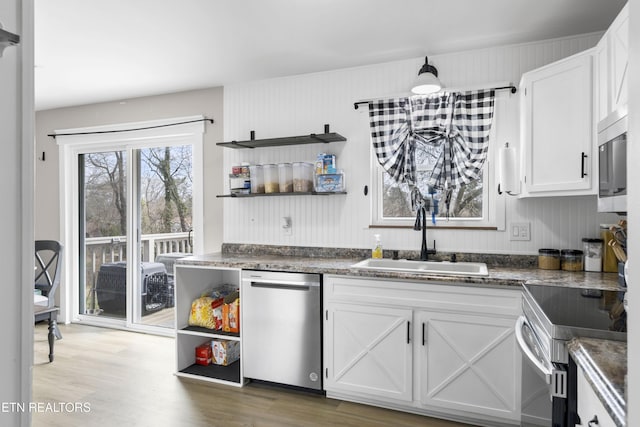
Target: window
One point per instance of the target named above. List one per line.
(472, 205)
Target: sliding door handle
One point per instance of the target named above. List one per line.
(424, 336)
(408, 332)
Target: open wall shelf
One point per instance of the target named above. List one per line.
(313, 138)
(309, 193)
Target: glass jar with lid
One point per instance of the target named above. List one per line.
(592, 249)
(549, 259)
(571, 259)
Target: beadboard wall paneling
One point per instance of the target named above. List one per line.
(303, 104)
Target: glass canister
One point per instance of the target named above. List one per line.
(592, 249)
(571, 259)
(609, 260)
(271, 182)
(302, 177)
(285, 176)
(549, 259)
(256, 175)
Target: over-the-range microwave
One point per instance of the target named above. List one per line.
(612, 162)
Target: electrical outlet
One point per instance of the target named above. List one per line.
(520, 231)
(287, 225)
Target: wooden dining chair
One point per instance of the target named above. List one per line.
(48, 257)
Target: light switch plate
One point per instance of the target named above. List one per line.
(520, 231)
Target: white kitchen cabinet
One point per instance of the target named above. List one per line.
(612, 63)
(557, 128)
(591, 411)
(191, 281)
(601, 67)
(618, 40)
(442, 350)
(369, 340)
(467, 363)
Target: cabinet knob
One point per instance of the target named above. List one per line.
(594, 422)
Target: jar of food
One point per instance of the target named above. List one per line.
(302, 177)
(549, 259)
(256, 175)
(609, 260)
(285, 176)
(592, 249)
(271, 181)
(571, 259)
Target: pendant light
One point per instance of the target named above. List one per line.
(7, 39)
(427, 81)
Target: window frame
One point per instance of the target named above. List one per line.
(493, 205)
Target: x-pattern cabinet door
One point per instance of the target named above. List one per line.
(467, 362)
(370, 351)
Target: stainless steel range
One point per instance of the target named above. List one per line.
(552, 316)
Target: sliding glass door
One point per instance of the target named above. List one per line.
(135, 220)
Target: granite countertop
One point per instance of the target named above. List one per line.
(603, 358)
(498, 276)
(604, 363)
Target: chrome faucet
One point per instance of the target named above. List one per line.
(421, 224)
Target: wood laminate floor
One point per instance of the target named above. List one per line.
(103, 377)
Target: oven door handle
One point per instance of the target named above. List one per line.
(547, 372)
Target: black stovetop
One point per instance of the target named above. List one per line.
(580, 308)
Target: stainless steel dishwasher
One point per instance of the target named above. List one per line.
(282, 328)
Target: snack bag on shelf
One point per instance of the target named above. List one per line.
(231, 316)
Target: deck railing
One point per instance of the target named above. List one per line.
(102, 250)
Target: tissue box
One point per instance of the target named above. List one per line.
(330, 183)
(225, 352)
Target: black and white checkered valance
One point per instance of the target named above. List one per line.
(460, 122)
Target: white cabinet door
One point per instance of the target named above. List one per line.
(618, 35)
(369, 351)
(469, 363)
(557, 127)
(601, 79)
(590, 408)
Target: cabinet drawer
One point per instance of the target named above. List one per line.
(444, 297)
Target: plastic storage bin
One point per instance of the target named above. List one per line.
(271, 181)
(285, 177)
(256, 174)
(302, 177)
(330, 183)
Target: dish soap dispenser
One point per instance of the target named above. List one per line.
(377, 248)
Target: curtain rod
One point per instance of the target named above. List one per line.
(53, 135)
(510, 87)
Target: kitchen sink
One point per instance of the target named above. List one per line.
(427, 267)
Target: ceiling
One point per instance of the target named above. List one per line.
(89, 51)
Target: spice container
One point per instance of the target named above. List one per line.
(256, 175)
(609, 260)
(285, 177)
(302, 177)
(549, 259)
(592, 249)
(571, 260)
(271, 182)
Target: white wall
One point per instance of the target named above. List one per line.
(16, 170)
(206, 102)
(303, 104)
